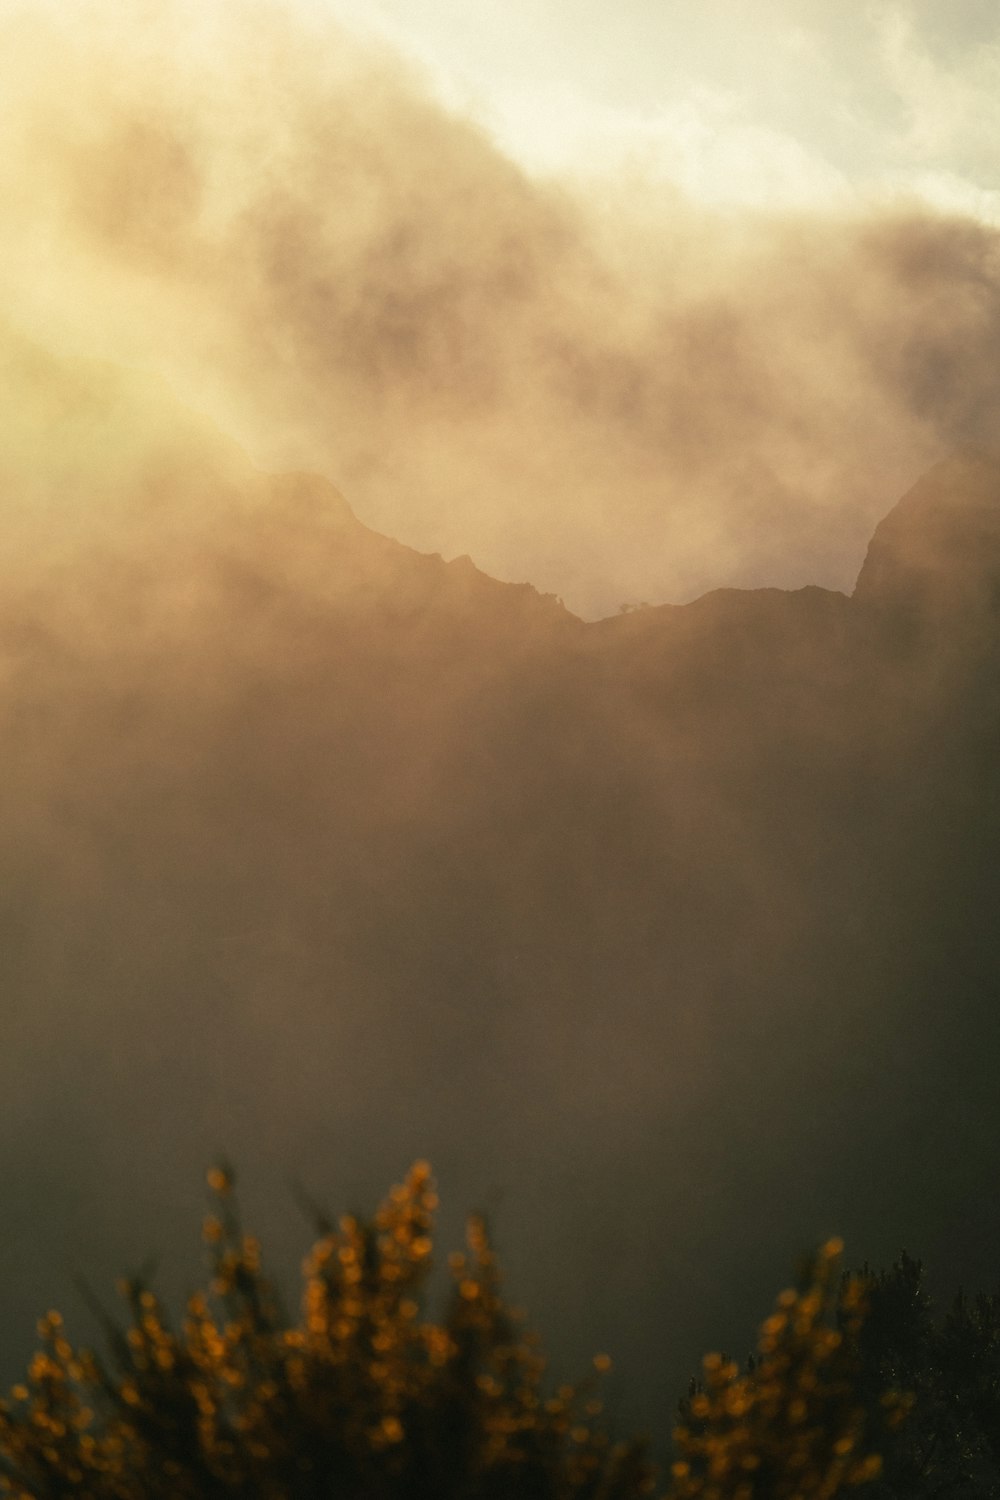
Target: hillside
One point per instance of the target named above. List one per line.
(671, 933)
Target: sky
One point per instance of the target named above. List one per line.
(783, 101)
(627, 305)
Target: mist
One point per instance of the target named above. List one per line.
(323, 854)
(667, 936)
(604, 388)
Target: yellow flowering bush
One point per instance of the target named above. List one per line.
(359, 1397)
(362, 1398)
(792, 1426)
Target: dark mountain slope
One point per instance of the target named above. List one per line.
(673, 934)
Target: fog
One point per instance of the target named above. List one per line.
(618, 394)
(668, 936)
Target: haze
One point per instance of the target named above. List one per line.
(668, 932)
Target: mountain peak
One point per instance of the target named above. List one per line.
(938, 550)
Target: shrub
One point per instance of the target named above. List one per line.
(359, 1397)
(793, 1426)
(363, 1396)
(948, 1361)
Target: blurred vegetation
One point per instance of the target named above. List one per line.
(362, 1395)
(793, 1423)
(949, 1365)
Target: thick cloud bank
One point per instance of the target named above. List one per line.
(619, 396)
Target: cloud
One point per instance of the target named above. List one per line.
(605, 387)
(706, 143)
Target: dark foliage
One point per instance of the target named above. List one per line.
(950, 1366)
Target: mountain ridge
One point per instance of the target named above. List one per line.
(81, 409)
(335, 854)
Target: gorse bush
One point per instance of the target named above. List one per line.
(360, 1396)
(794, 1424)
(363, 1396)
